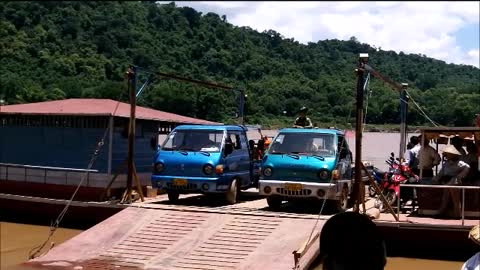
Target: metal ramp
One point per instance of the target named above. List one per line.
(180, 237)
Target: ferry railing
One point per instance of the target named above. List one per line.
(463, 188)
(45, 170)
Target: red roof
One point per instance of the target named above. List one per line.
(96, 107)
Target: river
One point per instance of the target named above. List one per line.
(18, 239)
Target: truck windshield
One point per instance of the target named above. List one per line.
(303, 143)
(194, 140)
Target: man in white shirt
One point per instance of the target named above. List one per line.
(423, 158)
(428, 158)
(474, 262)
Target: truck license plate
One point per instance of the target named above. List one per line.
(180, 182)
(293, 187)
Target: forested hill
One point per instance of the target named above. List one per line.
(55, 50)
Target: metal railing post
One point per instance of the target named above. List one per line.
(398, 201)
(463, 206)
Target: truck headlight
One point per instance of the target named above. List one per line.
(208, 169)
(323, 174)
(159, 166)
(267, 171)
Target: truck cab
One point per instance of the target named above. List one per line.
(204, 159)
(307, 164)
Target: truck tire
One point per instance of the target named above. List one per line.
(232, 193)
(274, 202)
(173, 196)
(342, 203)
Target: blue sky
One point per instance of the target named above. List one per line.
(448, 31)
(468, 37)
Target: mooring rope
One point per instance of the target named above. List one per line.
(54, 226)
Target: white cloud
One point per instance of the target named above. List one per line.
(412, 27)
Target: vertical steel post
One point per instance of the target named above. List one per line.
(242, 107)
(463, 206)
(403, 120)
(363, 59)
(132, 75)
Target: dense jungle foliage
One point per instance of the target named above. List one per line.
(57, 50)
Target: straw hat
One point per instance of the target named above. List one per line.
(450, 149)
(475, 234)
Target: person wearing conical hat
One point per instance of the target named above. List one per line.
(302, 120)
(452, 173)
(474, 262)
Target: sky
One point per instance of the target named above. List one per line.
(448, 31)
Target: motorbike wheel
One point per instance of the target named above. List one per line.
(371, 191)
(390, 196)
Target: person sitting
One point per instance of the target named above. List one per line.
(350, 241)
(472, 160)
(458, 143)
(302, 120)
(452, 173)
(251, 146)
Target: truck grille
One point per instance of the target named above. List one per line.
(302, 192)
(189, 186)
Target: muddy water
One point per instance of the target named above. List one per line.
(18, 239)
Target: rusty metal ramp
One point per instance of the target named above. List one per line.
(184, 238)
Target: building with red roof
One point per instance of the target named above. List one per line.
(62, 136)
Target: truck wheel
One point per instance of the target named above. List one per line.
(232, 192)
(274, 202)
(173, 196)
(342, 202)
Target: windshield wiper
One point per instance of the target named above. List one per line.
(205, 153)
(319, 157)
(184, 151)
(295, 156)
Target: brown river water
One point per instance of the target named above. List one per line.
(18, 239)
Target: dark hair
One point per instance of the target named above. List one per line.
(352, 241)
(414, 140)
(471, 147)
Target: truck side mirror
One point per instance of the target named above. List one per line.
(228, 148)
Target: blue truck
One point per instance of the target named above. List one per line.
(208, 159)
(307, 164)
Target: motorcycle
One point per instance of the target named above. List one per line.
(399, 173)
(379, 177)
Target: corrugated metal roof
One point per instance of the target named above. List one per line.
(97, 107)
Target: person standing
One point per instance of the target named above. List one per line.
(410, 156)
(302, 120)
(428, 158)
